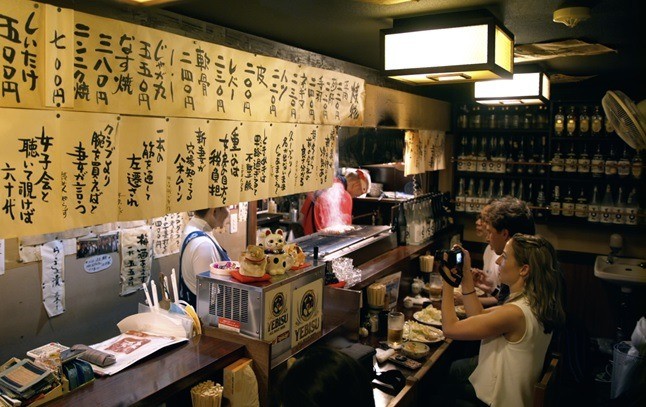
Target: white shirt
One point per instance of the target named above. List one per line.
(199, 253)
(489, 266)
(507, 371)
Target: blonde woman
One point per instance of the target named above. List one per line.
(515, 336)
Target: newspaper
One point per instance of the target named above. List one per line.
(129, 347)
(557, 49)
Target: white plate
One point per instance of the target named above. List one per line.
(422, 333)
(419, 317)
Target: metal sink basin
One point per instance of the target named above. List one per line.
(623, 271)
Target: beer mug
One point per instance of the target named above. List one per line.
(396, 321)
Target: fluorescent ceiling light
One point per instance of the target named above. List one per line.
(524, 88)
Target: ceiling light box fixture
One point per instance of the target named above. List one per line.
(447, 48)
(524, 88)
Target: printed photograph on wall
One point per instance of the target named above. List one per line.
(95, 245)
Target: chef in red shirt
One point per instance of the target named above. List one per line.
(333, 206)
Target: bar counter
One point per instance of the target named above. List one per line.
(158, 377)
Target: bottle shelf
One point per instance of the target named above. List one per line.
(480, 132)
(612, 137)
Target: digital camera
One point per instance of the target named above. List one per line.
(453, 260)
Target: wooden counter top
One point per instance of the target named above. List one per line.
(156, 378)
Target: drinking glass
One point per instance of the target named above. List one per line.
(435, 286)
(395, 329)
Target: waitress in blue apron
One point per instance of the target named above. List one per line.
(199, 249)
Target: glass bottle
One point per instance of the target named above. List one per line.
(515, 117)
(636, 165)
(608, 127)
(491, 118)
(597, 164)
(541, 118)
(611, 162)
(555, 203)
(520, 167)
(593, 207)
(402, 227)
(570, 122)
(509, 166)
(481, 159)
(493, 155)
(470, 163)
(632, 208)
(597, 123)
(559, 122)
(607, 206)
(540, 203)
(583, 163)
(463, 154)
(463, 117)
(581, 206)
(528, 118)
(623, 164)
(571, 160)
(481, 198)
(529, 198)
(620, 207)
(557, 160)
(584, 122)
(460, 198)
(506, 118)
(490, 192)
(568, 203)
(475, 121)
(532, 156)
(542, 169)
(502, 155)
(471, 201)
(520, 194)
(512, 188)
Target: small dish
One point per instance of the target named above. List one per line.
(224, 268)
(415, 350)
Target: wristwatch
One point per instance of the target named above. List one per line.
(495, 292)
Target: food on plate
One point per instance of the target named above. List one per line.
(337, 230)
(224, 268)
(415, 350)
(414, 331)
(429, 315)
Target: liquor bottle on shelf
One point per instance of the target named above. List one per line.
(555, 204)
(611, 162)
(620, 207)
(527, 118)
(542, 169)
(512, 188)
(493, 155)
(584, 122)
(557, 160)
(502, 156)
(520, 194)
(583, 163)
(571, 160)
(607, 206)
(501, 189)
(593, 207)
(539, 214)
(559, 122)
(531, 157)
(481, 198)
(581, 206)
(475, 119)
(541, 118)
(506, 118)
(597, 164)
(481, 159)
(470, 163)
(509, 167)
(597, 123)
(515, 117)
(636, 165)
(568, 203)
(490, 119)
(632, 208)
(623, 164)
(471, 200)
(570, 123)
(462, 155)
(463, 117)
(460, 198)
(529, 198)
(520, 167)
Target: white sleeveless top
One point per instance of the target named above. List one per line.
(507, 371)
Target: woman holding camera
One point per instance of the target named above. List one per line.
(515, 336)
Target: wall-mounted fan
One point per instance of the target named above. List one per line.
(626, 119)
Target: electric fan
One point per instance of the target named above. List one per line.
(624, 117)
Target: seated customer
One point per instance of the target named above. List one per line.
(515, 336)
(325, 377)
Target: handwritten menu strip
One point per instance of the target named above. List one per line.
(414, 158)
(30, 168)
(62, 58)
(59, 64)
(60, 171)
(89, 168)
(143, 151)
(188, 164)
(136, 258)
(53, 277)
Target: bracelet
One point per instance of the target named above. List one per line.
(470, 292)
